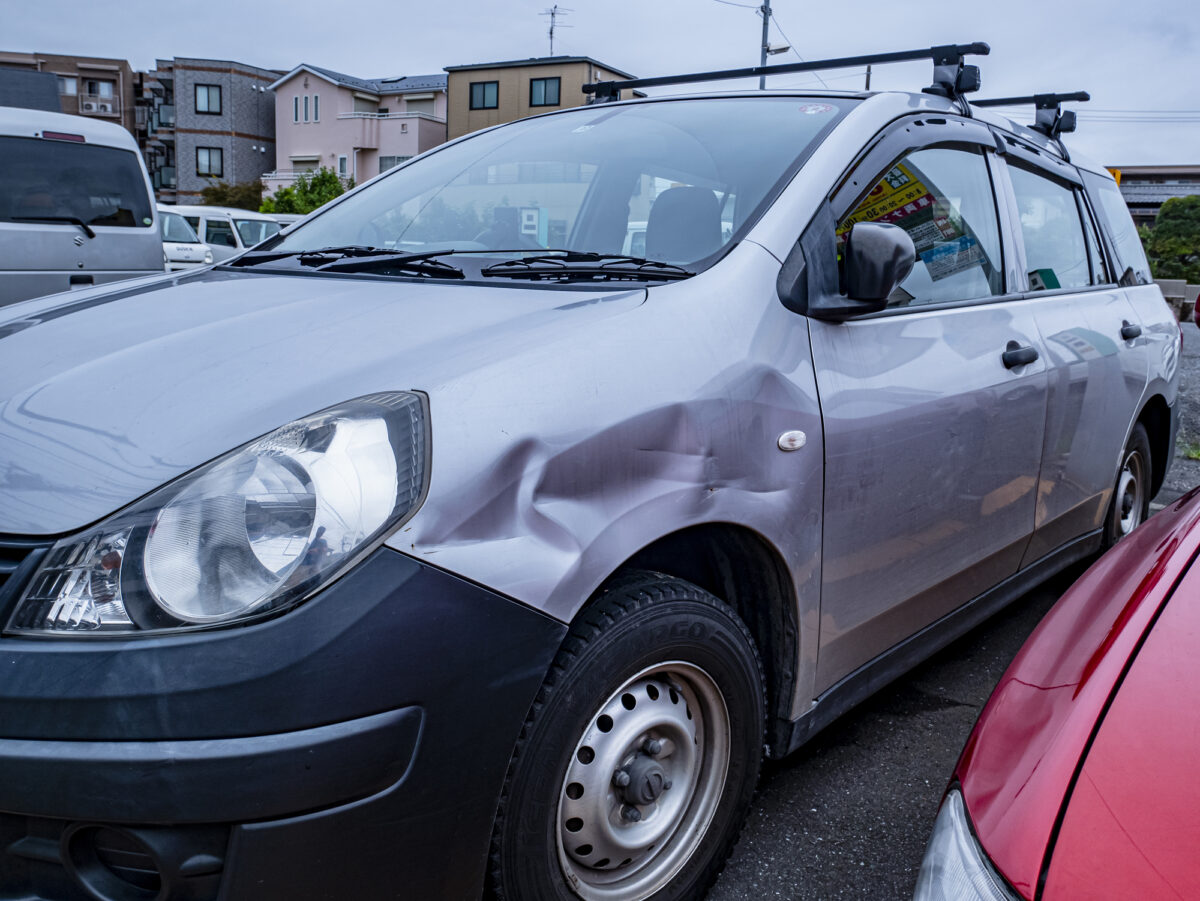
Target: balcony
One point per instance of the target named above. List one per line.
(99, 105)
(164, 178)
(164, 115)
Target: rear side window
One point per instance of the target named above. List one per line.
(942, 197)
(1132, 267)
(255, 230)
(1055, 251)
(60, 181)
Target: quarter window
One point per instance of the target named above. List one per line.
(544, 91)
(210, 162)
(208, 99)
(942, 197)
(1055, 251)
(1130, 256)
(485, 94)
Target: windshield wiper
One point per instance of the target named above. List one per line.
(356, 258)
(575, 264)
(74, 220)
(307, 257)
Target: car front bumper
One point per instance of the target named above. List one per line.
(354, 747)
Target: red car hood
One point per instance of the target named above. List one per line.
(1017, 766)
(1132, 825)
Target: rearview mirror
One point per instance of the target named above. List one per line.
(877, 258)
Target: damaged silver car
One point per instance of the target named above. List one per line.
(443, 546)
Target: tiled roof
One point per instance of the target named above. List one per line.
(400, 84)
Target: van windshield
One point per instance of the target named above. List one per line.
(673, 181)
(63, 181)
(175, 228)
(255, 230)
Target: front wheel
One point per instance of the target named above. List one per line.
(640, 755)
(1131, 497)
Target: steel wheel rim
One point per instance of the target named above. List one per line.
(679, 705)
(1131, 487)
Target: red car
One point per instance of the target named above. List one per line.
(1081, 778)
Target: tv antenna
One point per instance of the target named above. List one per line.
(555, 13)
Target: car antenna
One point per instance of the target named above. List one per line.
(951, 78)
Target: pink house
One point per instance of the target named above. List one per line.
(359, 127)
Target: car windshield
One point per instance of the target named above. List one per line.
(175, 228)
(60, 180)
(255, 230)
(672, 181)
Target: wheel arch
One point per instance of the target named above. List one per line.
(742, 568)
(1155, 417)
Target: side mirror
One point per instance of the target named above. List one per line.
(877, 258)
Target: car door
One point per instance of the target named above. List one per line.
(933, 436)
(1096, 361)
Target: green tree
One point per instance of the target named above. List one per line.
(310, 191)
(245, 196)
(1173, 244)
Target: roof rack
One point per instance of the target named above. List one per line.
(1052, 120)
(950, 77)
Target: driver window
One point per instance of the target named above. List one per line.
(942, 197)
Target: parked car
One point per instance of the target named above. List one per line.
(182, 248)
(286, 219)
(228, 230)
(76, 207)
(1078, 780)
(338, 571)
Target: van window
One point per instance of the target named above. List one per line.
(175, 228)
(942, 197)
(219, 232)
(1055, 252)
(48, 181)
(1131, 265)
(255, 230)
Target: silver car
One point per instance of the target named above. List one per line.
(498, 563)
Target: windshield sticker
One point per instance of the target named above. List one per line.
(816, 109)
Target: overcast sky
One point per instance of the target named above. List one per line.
(1137, 59)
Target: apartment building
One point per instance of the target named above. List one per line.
(206, 121)
(485, 94)
(87, 85)
(358, 127)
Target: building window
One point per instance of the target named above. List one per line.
(305, 107)
(210, 161)
(208, 99)
(67, 85)
(485, 94)
(388, 162)
(296, 108)
(96, 88)
(543, 91)
(342, 166)
(316, 107)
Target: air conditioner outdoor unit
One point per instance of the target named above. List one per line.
(89, 106)
(106, 107)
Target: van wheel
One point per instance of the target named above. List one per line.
(638, 760)
(1131, 498)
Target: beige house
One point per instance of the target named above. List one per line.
(87, 85)
(486, 94)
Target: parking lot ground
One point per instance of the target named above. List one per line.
(848, 816)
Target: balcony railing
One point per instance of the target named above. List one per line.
(99, 105)
(164, 177)
(164, 115)
(428, 116)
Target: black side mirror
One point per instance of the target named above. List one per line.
(877, 258)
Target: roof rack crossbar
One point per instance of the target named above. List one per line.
(947, 60)
(1051, 119)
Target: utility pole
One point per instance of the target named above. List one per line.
(765, 11)
(868, 85)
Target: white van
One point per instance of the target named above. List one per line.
(76, 208)
(182, 247)
(227, 230)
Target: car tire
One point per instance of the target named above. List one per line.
(637, 763)
(1130, 505)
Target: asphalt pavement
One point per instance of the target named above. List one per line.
(848, 815)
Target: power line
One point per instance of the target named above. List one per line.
(795, 51)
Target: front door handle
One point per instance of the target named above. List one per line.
(1129, 332)
(1016, 355)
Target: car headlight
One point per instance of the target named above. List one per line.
(248, 534)
(955, 868)
(207, 256)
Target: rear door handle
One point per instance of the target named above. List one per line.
(1129, 332)
(1016, 355)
